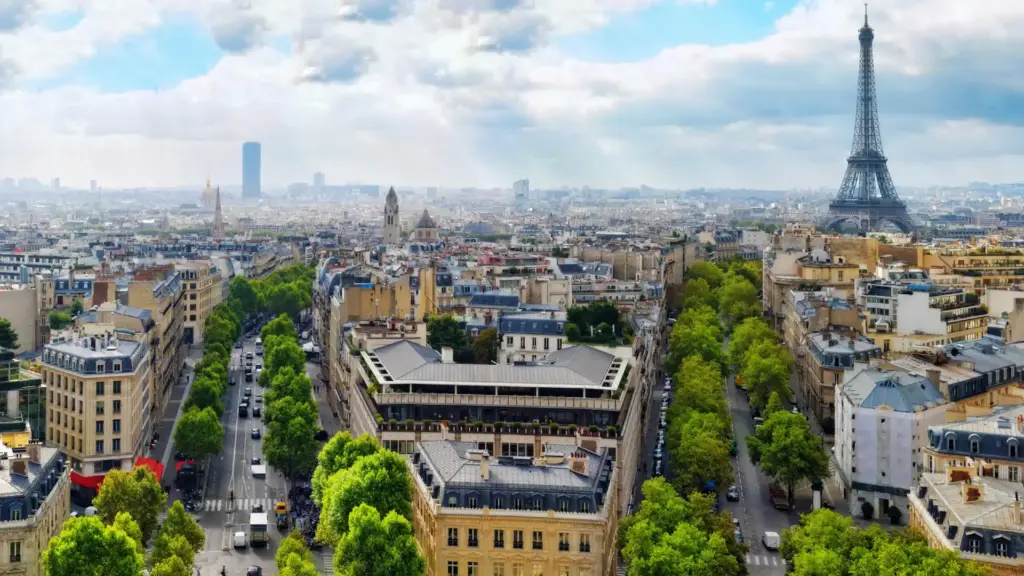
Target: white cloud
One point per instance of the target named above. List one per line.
(464, 92)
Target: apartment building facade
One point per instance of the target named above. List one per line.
(161, 291)
(201, 281)
(951, 314)
(98, 400)
(35, 501)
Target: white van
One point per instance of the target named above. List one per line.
(239, 539)
(770, 540)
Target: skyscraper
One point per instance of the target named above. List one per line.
(251, 170)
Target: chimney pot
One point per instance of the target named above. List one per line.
(448, 355)
(485, 467)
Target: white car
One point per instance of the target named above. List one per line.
(239, 539)
(657, 453)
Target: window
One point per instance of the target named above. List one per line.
(559, 342)
(563, 505)
(538, 503)
(1002, 547)
(473, 537)
(499, 538)
(117, 366)
(1013, 449)
(538, 540)
(116, 426)
(99, 426)
(453, 536)
(563, 541)
(517, 570)
(584, 542)
(950, 443)
(517, 539)
(546, 345)
(117, 386)
(511, 341)
(585, 506)
(100, 366)
(16, 551)
(538, 570)
(117, 406)
(15, 513)
(522, 342)
(99, 388)
(453, 568)
(974, 545)
(473, 569)
(191, 317)
(99, 446)
(498, 569)
(99, 408)
(563, 571)
(533, 342)
(975, 446)
(517, 503)
(840, 275)
(192, 286)
(471, 502)
(116, 444)
(1013, 474)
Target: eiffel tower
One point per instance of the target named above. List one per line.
(867, 195)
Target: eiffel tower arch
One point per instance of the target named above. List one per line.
(867, 195)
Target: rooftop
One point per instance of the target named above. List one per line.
(454, 464)
(901, 391)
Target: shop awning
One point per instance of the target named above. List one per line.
(154, 466)
(94, 482)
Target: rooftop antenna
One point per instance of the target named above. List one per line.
(865, 14)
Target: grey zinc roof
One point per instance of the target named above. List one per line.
(494, 300)
(141, 314)
(451, 461)
(901, 391)
(578, 366)
(426, 221)
(18, 485)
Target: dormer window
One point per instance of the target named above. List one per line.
(1012, 447)
(975, 446)
(1002, 545)
(974, 543)
(951, 443)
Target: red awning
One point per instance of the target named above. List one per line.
(154, 466)
(177, 467)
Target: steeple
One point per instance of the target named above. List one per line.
(218, 220)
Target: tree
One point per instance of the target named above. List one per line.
(788, 451)
(485, 346)
(137, 492)
(766, 371)
(172, 566)
(702, 381)
(85, 547)
(170, 545)
(738, 300)
(774, 405)
(445, 331)
(572, 332)
(372, 546)
(8, 336)
(340, 453)
(288, 383)
(205, 394)
(686, 551)
(701, 457)
(294, 544)
(707, 271)
(289, 444)
(76, 307)
(381, 480)
(58, 319)
(217, 329)
(242, 289)
(199, 433)
(181, 523)
(749, 332)
(124, 522)
(285, 299)
(281, 356)
(280, 326)
(698, 340)
(697, 293)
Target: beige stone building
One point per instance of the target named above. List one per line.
(552, 514)
(202, 285)
(160, 291)
(34, 503)
(19, 304)
(98, 398)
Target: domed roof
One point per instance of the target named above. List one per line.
(426, 221)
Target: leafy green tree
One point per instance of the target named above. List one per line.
(737, 300)
(281, 356)
(445, 331)
(170, 545)
(701, 456)
(378, 547)
(218, 329)
(295, 566)
(788, 451)
(287, 383)
(280, 326)
(172, 566)
(205, 394)
(381, 480)
(698, 340)
(285, 299)
(697, 293)
(890, 558)
(295, 545)
(702, 381)
(686, 551)
(774, 405)
(242, 289)
(8, 336)
(707, 271)
(181, 523)
(76, 307)
(289, 444)
(572, 332)
(766, 371)
(137, 492)
(199, 433)
(340, 453)
(124, 522)
(749, 332)
(85, 547)
(485, 346)
(57, 319)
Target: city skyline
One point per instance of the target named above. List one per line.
(484, 92)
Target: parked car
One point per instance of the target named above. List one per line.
(733, 495)
(256, 413)
(794, 410)
(657, 452)
(255, 434)
(739, 535)
(657, 468)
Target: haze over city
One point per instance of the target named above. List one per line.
(732, 93)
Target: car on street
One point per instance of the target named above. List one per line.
(321, 435)
(770, 540)
(739, 535)
(248, 355)
(238, 343)
(255, 434)
(668, 385)
(657, 452)
(256, 413)
(733, 495)
(662, 422)
(248, 392)
(239, 539)
(794, 410)
(259, 398)
(254, 571)
(657, 467)
(259, 366)
(661, 436)
(257, 507)
(255, 461)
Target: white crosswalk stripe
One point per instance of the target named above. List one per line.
(224, 505)
(758, 560)
(328, 562)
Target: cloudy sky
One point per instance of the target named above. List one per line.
(673, 93)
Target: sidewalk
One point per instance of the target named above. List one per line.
(164, 451)
(328, 421)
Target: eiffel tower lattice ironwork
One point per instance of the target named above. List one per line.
(867, 195)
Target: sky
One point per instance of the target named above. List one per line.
(667, 93)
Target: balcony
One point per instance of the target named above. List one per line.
(963, 312)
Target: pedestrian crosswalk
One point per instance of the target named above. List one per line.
(760, 560)
(225, 505)
(327, 562)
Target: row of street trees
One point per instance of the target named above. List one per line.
(113, 542)
(365, 498)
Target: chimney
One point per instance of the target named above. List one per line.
(485, 467)
(33, 452)
(447, 355)
(19, 466)
(933, 375)
(578, 463)
(853, 343)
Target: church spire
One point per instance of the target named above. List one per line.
(218, 220)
